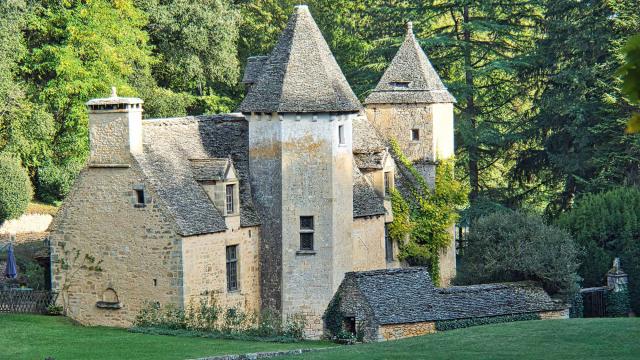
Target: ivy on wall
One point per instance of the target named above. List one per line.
(423, 217)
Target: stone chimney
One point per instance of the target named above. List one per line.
(115, 130)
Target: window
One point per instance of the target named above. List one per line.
(139, 198)
(400, 84)
(341, 134)
(415, 134)
(232, 268)
(388, 182)
(306, 232)
(388, 244)
(229, 195)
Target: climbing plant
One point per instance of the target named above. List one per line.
(423, 217)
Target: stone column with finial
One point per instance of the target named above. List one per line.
(617, 280)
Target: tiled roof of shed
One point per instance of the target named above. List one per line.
(407, 295)
(168, 146)
(410, 78)
(301, 75)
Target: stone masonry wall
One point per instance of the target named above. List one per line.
(109, 136)
(368, 243)
(205, 270)
(139, 249)
(399, 331)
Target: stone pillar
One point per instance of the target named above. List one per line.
(617, 280)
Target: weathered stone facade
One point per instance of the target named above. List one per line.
(138, 248)
(399, 331)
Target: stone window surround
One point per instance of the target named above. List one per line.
(139, 194)
(234, 263)
(307, 229)
(415, 134)
(341, 138)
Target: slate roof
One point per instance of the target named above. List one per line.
(366, 201)
(410, 78)
(169, 144)
(253, 70)
(211, 169)
(407, 295)
(301, 75)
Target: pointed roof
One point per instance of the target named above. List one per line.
(301, 74)
(410, 78)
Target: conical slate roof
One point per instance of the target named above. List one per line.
(301, 74)
(410, 78)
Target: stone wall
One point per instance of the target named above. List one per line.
(205, 270)
(369, 244)
(113, 135)
(550, 315)
(399, 331)
(138, 248)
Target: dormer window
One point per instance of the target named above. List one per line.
(400, 84)
(388, 182)
(230, 199)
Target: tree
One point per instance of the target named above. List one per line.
(577, 137)
(514, 246)
(631, 76)
(607, 225)
(15, 188)
(77, 51)
(196, 43)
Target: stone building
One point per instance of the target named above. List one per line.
(268, 207)
(396, 303)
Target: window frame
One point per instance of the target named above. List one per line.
(307, 232)
(229, 199)
(415, 134)
(388, 182)
(232, 268)
(341, 138)
(140, 198)
(388, 245)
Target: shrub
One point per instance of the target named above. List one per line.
(54, 181)
(607, 225)
(517, 246)
(15, 188)
(618, 303)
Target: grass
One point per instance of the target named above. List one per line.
(38, 337)
(41, 208)
(617, 338)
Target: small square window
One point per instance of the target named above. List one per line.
(341, 135)
(415, 134)
(139, 197)
(306, 232)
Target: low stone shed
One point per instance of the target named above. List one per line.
(396, 303)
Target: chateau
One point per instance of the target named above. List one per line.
(266, 208)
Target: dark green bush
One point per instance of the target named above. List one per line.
(607, 225)
(55, 181)
(15, 188)
(618, 303)
(517, 246)
(444, 325)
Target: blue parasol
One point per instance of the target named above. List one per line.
(11, 271)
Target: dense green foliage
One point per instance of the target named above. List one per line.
(207, 318)
(27, 337)
(516, 246)
(444, 325)
(15, 188)
(617, 303)
(607, 225)
(424, 220)
(631, 76)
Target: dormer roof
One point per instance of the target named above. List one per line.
(410, 78)
(301, 74)
(212, 169)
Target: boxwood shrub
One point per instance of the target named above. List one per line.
(444, 325)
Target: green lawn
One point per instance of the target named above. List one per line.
(552, 339)
(36, 337)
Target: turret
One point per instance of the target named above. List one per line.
(115, 130)
(300, 110)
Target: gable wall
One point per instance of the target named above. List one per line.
(135, 245)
